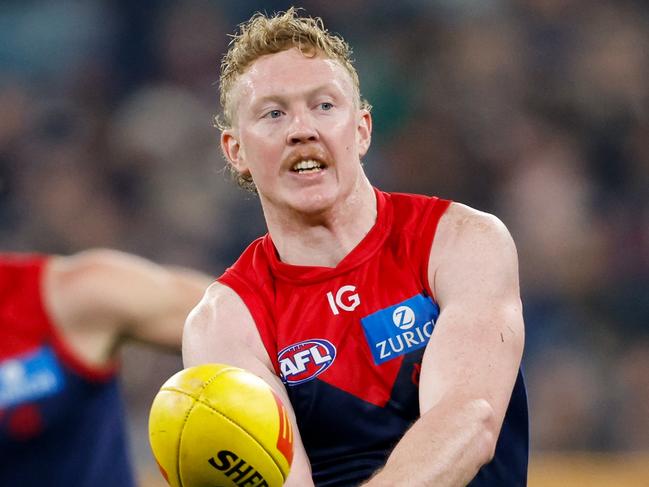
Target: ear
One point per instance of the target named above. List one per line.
(364, 132)
(232, 150)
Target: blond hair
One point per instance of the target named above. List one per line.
(262, 35)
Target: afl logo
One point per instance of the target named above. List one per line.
(403, 317)
(304, 361)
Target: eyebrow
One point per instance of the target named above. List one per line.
(281, 99)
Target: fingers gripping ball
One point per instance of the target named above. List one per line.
(216, 425)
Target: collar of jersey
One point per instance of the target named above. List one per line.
(365, 249)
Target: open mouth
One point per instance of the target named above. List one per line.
(307, 166)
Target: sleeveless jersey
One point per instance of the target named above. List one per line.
(348, 343)
(61, 421)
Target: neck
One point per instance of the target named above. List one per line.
(325, 238)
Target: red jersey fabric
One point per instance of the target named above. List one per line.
(348, 341)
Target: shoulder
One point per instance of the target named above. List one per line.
(471, 249)
(465, 228)
(87, 295)
(221, 310)
(465, 217)
(218, 301)
(110, 285)
(67, 277)
(93, 279)
(222, 328)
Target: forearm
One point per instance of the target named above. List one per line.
(300, 475)
(445, 447)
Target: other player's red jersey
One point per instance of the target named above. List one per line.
(61, 421)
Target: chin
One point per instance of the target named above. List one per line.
(313, 200)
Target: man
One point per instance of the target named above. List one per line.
(394, 321)
(61, 322)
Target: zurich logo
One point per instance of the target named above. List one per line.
(29, 377)
(401, 328)
(304, 361)
(403, 317)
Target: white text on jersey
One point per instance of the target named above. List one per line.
(346, 299)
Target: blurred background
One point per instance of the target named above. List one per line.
(536, 110)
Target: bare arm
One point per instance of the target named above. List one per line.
(100, 296)
(471, 362)
(221, 330)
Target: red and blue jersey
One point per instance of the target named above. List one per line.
(348, 343)
(61, 421)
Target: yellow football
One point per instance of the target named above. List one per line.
(216, 425)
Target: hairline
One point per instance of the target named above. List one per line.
(234, 83)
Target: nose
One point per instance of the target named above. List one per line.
(301, 130)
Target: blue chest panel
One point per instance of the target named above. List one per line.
(59, 429)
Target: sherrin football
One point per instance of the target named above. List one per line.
(216, 425)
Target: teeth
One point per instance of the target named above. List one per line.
(308, 165)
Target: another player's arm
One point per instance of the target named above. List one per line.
(221, 330)
(471, 362)
(99, 296)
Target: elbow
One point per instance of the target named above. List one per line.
(487, 430)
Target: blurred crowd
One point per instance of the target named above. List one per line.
(536, 110)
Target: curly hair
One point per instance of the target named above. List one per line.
(262, 35)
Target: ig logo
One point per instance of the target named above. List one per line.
(346, 299)
(403, 317)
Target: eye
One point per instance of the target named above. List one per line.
(273, 114)
(326, 105)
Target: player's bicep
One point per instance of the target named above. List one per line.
(475, 350)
